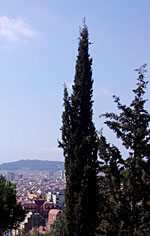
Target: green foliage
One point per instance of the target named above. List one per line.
(79, 143)
(22, 233)
(11, 213)
(35, 232)
(124, 187)
(58, 228)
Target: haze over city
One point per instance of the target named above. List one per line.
(38, 48)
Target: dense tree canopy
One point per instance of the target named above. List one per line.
(11, 213)
(125, 185)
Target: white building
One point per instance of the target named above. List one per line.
(58, 198)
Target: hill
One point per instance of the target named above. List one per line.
(33, 165)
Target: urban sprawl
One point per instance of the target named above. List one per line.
(41, 194)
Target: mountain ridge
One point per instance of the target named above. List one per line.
(32, 165)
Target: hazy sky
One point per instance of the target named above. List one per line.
(38, 49)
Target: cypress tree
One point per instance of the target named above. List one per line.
(131, 201)
(79, 142)
(110, 189)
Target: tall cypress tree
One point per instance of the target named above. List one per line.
(130, 195)
(79, 142)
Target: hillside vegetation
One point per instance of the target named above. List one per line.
(33, 165)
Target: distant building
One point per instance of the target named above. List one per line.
(58, 198)
(32, 220)
(51, 173)
(53, 216)
(40, 206)
(49, 196)
(60, 174)
(10, 176)
(32, 195)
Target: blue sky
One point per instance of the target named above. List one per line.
(38, 49)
